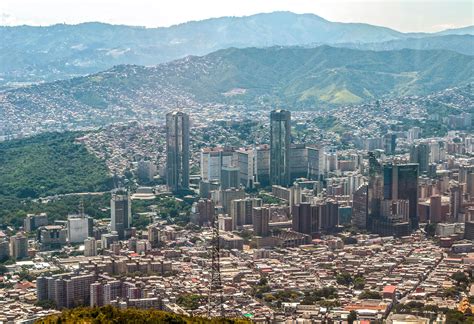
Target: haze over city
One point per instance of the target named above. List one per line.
(401, 15)
(236, 161)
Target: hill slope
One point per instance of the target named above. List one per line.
(62, 51)
(463, 44)
(290, 77)
(49, 164)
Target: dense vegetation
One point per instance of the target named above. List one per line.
(49, 164)
(46, 165)
(109, 314)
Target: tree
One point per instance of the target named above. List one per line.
(352, 317)
(3, 269)
(344, 278)
(368, 294)
(359, 282)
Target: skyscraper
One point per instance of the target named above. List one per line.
(388, 185)
(261, 220)
(18, 246)
(280, 137)
(177, 148)
(121, 214)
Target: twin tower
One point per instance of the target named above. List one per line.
(177, 149)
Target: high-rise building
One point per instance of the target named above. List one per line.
(360, 207)
(224, 198)
(52, 237)
(97, 294)
(90, 246)
(79, 228)
(262, 165)
(246, 162)
(213, 159)
(304, 218)
(313, 163)
(18, 246)
(390, 143)
(435, 209)
(205, 211)
(261, 221)
(34, 221)
(230, 177)
(4, 250)
(455, 201)
(280, 138)
(420, 154)
(298, 161)
(120, 214)
(241, 211)
(154, 235)
(177, 151)
(392, 182)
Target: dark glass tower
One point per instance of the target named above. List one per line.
(280, 137)
(177, 148)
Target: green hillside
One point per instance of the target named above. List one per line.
(293, 77)
(49, 164)
(108, 314)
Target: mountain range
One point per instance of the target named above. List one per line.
(292, 77)
(36, 54)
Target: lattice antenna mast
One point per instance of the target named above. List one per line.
(215, 297)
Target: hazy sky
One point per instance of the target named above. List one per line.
(403, 15)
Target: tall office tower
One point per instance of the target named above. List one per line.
(329, 215)
(241, 211)
(230, 177)
(408, 190)
(306, 218)
(18, 246)
(206, 187)
(470, 184)
(435, 209)
(280, 138)
(4, 250)
(224, 198)
(298, 161)
(213, 159)
(177, 151)
(390, 143)
(34, 221)
(261, 221)
(90, 246)
(205, 211)
(420, 154)
(79, 227)
(374, 190)
(391, 182)
(455, 201)
(313, 163)
(120, 214)
(360, 207)
(464, 171)
(262, 165)
(245, 161)
(413, 134)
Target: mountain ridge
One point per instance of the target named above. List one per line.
(63, 51)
